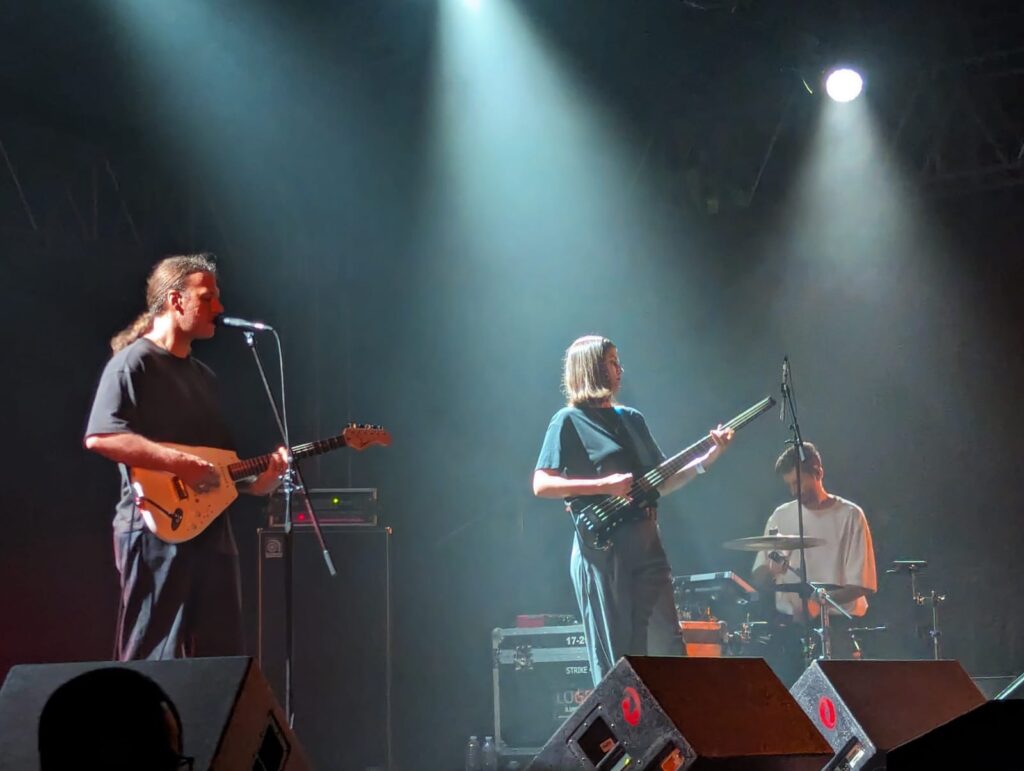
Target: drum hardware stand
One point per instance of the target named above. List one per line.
(744, 636)
(855, 632)
(820, 593)
(824, 600)
(933, 599)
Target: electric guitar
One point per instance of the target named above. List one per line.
(596, 519)
(176, 512)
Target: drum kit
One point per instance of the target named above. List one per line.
(735, 614)
(705, 601)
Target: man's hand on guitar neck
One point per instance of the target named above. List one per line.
(270, 479)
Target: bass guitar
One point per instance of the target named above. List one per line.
(597, 519)
(176, 512)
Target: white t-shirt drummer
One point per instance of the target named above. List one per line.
(846, 558)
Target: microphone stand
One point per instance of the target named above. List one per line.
(292, 481)
(788, 398)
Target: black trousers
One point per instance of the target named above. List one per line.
(625, 598)
(177, 600)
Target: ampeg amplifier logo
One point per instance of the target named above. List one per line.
(827, 712)
(273, 549)
(631, 711)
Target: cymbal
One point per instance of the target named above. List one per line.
(772, 543)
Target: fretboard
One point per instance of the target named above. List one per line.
(657, 475)
(255, 466)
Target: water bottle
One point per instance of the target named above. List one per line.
(490, 753)
(473, 754)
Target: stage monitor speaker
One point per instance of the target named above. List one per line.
(342, 638)
(993, 685)
(676, 714)
(1013, 690)
(985, 738)
(865, 709)
(230, 719)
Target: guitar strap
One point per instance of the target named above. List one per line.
(626, 435)
(639, 464)
(630, 441)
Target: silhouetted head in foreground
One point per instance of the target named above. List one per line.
(113, 718)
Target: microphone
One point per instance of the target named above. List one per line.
(785, 379)
(249, 326)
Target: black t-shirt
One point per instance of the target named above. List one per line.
(593, 442)
(146, 390)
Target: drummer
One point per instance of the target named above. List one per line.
(846, 558)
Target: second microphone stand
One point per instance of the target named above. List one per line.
(825, 602)
(789, 400)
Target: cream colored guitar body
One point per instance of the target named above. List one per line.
(173, 510)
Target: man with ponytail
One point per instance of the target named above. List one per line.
(176, 599)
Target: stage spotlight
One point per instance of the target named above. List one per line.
(844, 84)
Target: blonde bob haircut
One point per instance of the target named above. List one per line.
(584, 378)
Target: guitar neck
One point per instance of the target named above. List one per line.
(656, 476)
(255, 466)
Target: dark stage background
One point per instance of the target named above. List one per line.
(432, 286)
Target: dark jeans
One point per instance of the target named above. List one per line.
(177, 601)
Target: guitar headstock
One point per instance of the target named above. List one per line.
(359, 436)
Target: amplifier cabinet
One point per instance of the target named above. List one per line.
(541, 675)
(341, 653)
